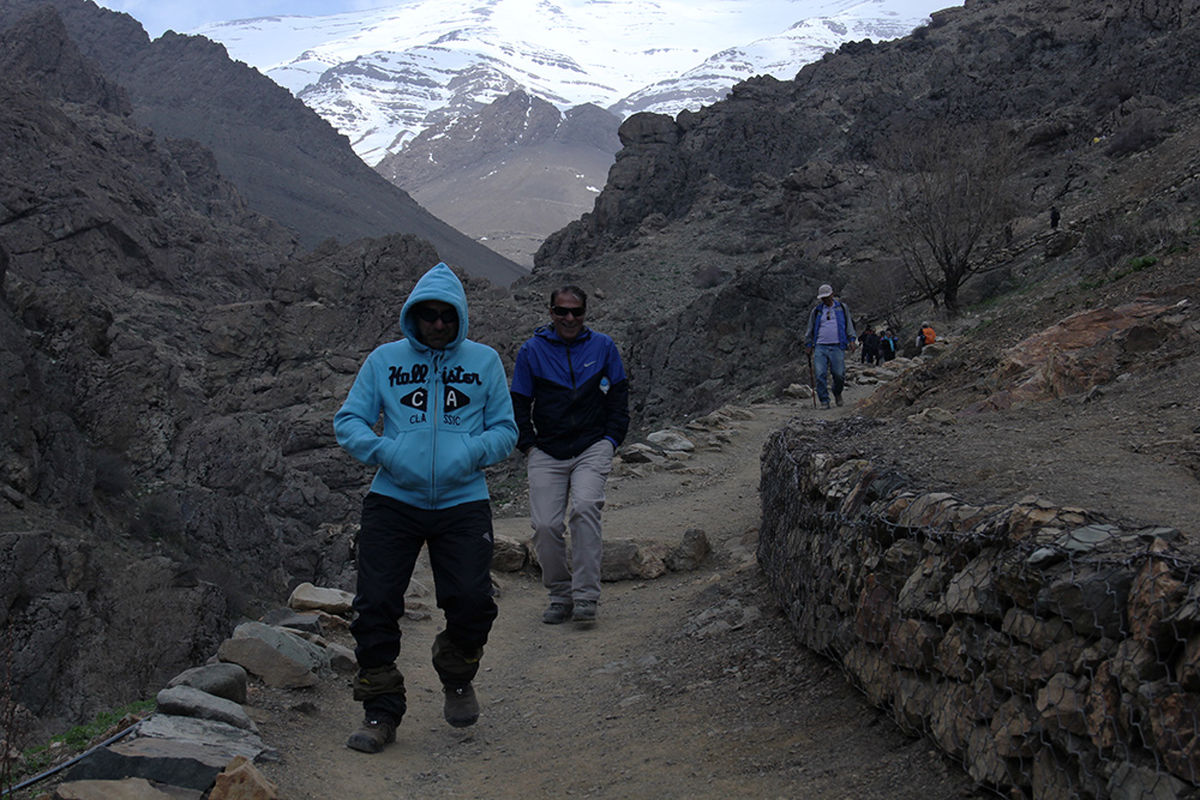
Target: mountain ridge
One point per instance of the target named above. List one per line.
(383, 76)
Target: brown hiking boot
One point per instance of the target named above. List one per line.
(372, 736)
(462, 707)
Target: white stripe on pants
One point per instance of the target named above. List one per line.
(552, 482)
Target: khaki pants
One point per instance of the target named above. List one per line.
(552, 483)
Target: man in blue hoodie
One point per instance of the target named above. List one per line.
(446, 415)
(571, 400)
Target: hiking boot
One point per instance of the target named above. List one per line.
(585, 611)
(824, 404)
(558, 612)
(462, 707)
(372, 736)
(837, 398)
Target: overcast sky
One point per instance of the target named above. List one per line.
(181, 16)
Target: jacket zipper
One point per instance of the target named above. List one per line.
(433, 422)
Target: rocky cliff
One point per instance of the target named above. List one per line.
(716, 227)
(287, 162)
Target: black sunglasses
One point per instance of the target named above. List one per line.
(431, 315)
(564, 311)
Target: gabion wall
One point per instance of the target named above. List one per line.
(1055, 655)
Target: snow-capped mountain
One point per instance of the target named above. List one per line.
(383, 76)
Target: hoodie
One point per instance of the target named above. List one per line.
(447, 413)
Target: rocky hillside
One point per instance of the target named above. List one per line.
(512, 173)
(716, 227)
(287, 162)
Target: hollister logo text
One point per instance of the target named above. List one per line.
(398, 377)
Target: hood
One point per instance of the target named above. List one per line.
(439, 283)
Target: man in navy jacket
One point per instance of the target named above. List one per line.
(570, 397)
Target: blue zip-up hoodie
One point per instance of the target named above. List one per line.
(569, 395)
(845, 328)
(447, 414)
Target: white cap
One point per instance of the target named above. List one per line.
(825, 291)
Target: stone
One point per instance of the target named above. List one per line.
(284, 670)
(972, 590)
(1038, 633)
(123, 789)
(1093, 600)
(241, 780)
(1103, 708)
(229, 739)
(191, 765)
(1062, 703)
(1154, 596)
(875, 611)
(222, 679)
(913, 644)
(1130, 781)
(690, 553)
(1176, 735)
(1016, 729)
(670, 440)
(307, 597)
(873, 672)
(913, 702)
(509, 554)
(188, 701)
(287, 618)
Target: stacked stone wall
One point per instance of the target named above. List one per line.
(1054, 654)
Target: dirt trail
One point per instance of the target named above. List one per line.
(688, 686)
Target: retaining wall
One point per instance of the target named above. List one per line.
(1055, 655)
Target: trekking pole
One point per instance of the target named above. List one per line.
(812, 378)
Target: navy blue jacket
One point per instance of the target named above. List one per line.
(569, 395)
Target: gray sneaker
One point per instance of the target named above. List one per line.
(585, 611)
(558, 612)
(462, 707)
(824, 404)
(837, 398)
(372, 735)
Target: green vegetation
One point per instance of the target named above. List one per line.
(77, 739)
(1133, 265)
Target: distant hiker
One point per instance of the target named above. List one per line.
(1054, 217)
(869, 341)
(446, 415)
(828, 335)
(925, 336)
(571, 399)
(887, 346)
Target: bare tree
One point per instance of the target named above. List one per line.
(947, 198)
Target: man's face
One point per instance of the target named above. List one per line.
(827, 299)
(437, 323)
(567, 315)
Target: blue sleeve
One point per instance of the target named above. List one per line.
(499, 428)
(354, 423)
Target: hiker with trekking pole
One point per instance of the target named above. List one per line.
(828, 336)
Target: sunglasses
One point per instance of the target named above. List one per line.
(563, 311)
(431, 315)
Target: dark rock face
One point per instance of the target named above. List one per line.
(287, 162)
(752, 202)
(171, 362)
